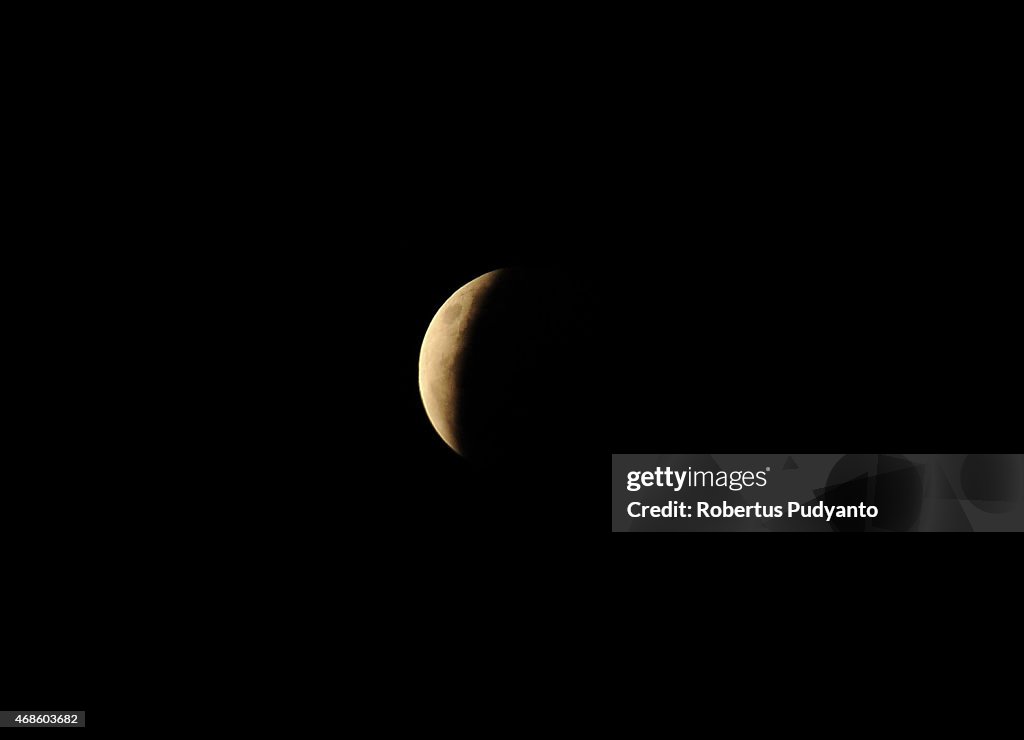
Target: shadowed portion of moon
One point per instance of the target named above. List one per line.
(508, 363)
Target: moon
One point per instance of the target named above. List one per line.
(442, 366)
(509, 368)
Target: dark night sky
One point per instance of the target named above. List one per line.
(750, 255)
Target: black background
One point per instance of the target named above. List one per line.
(818, 247)
(55, 516)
